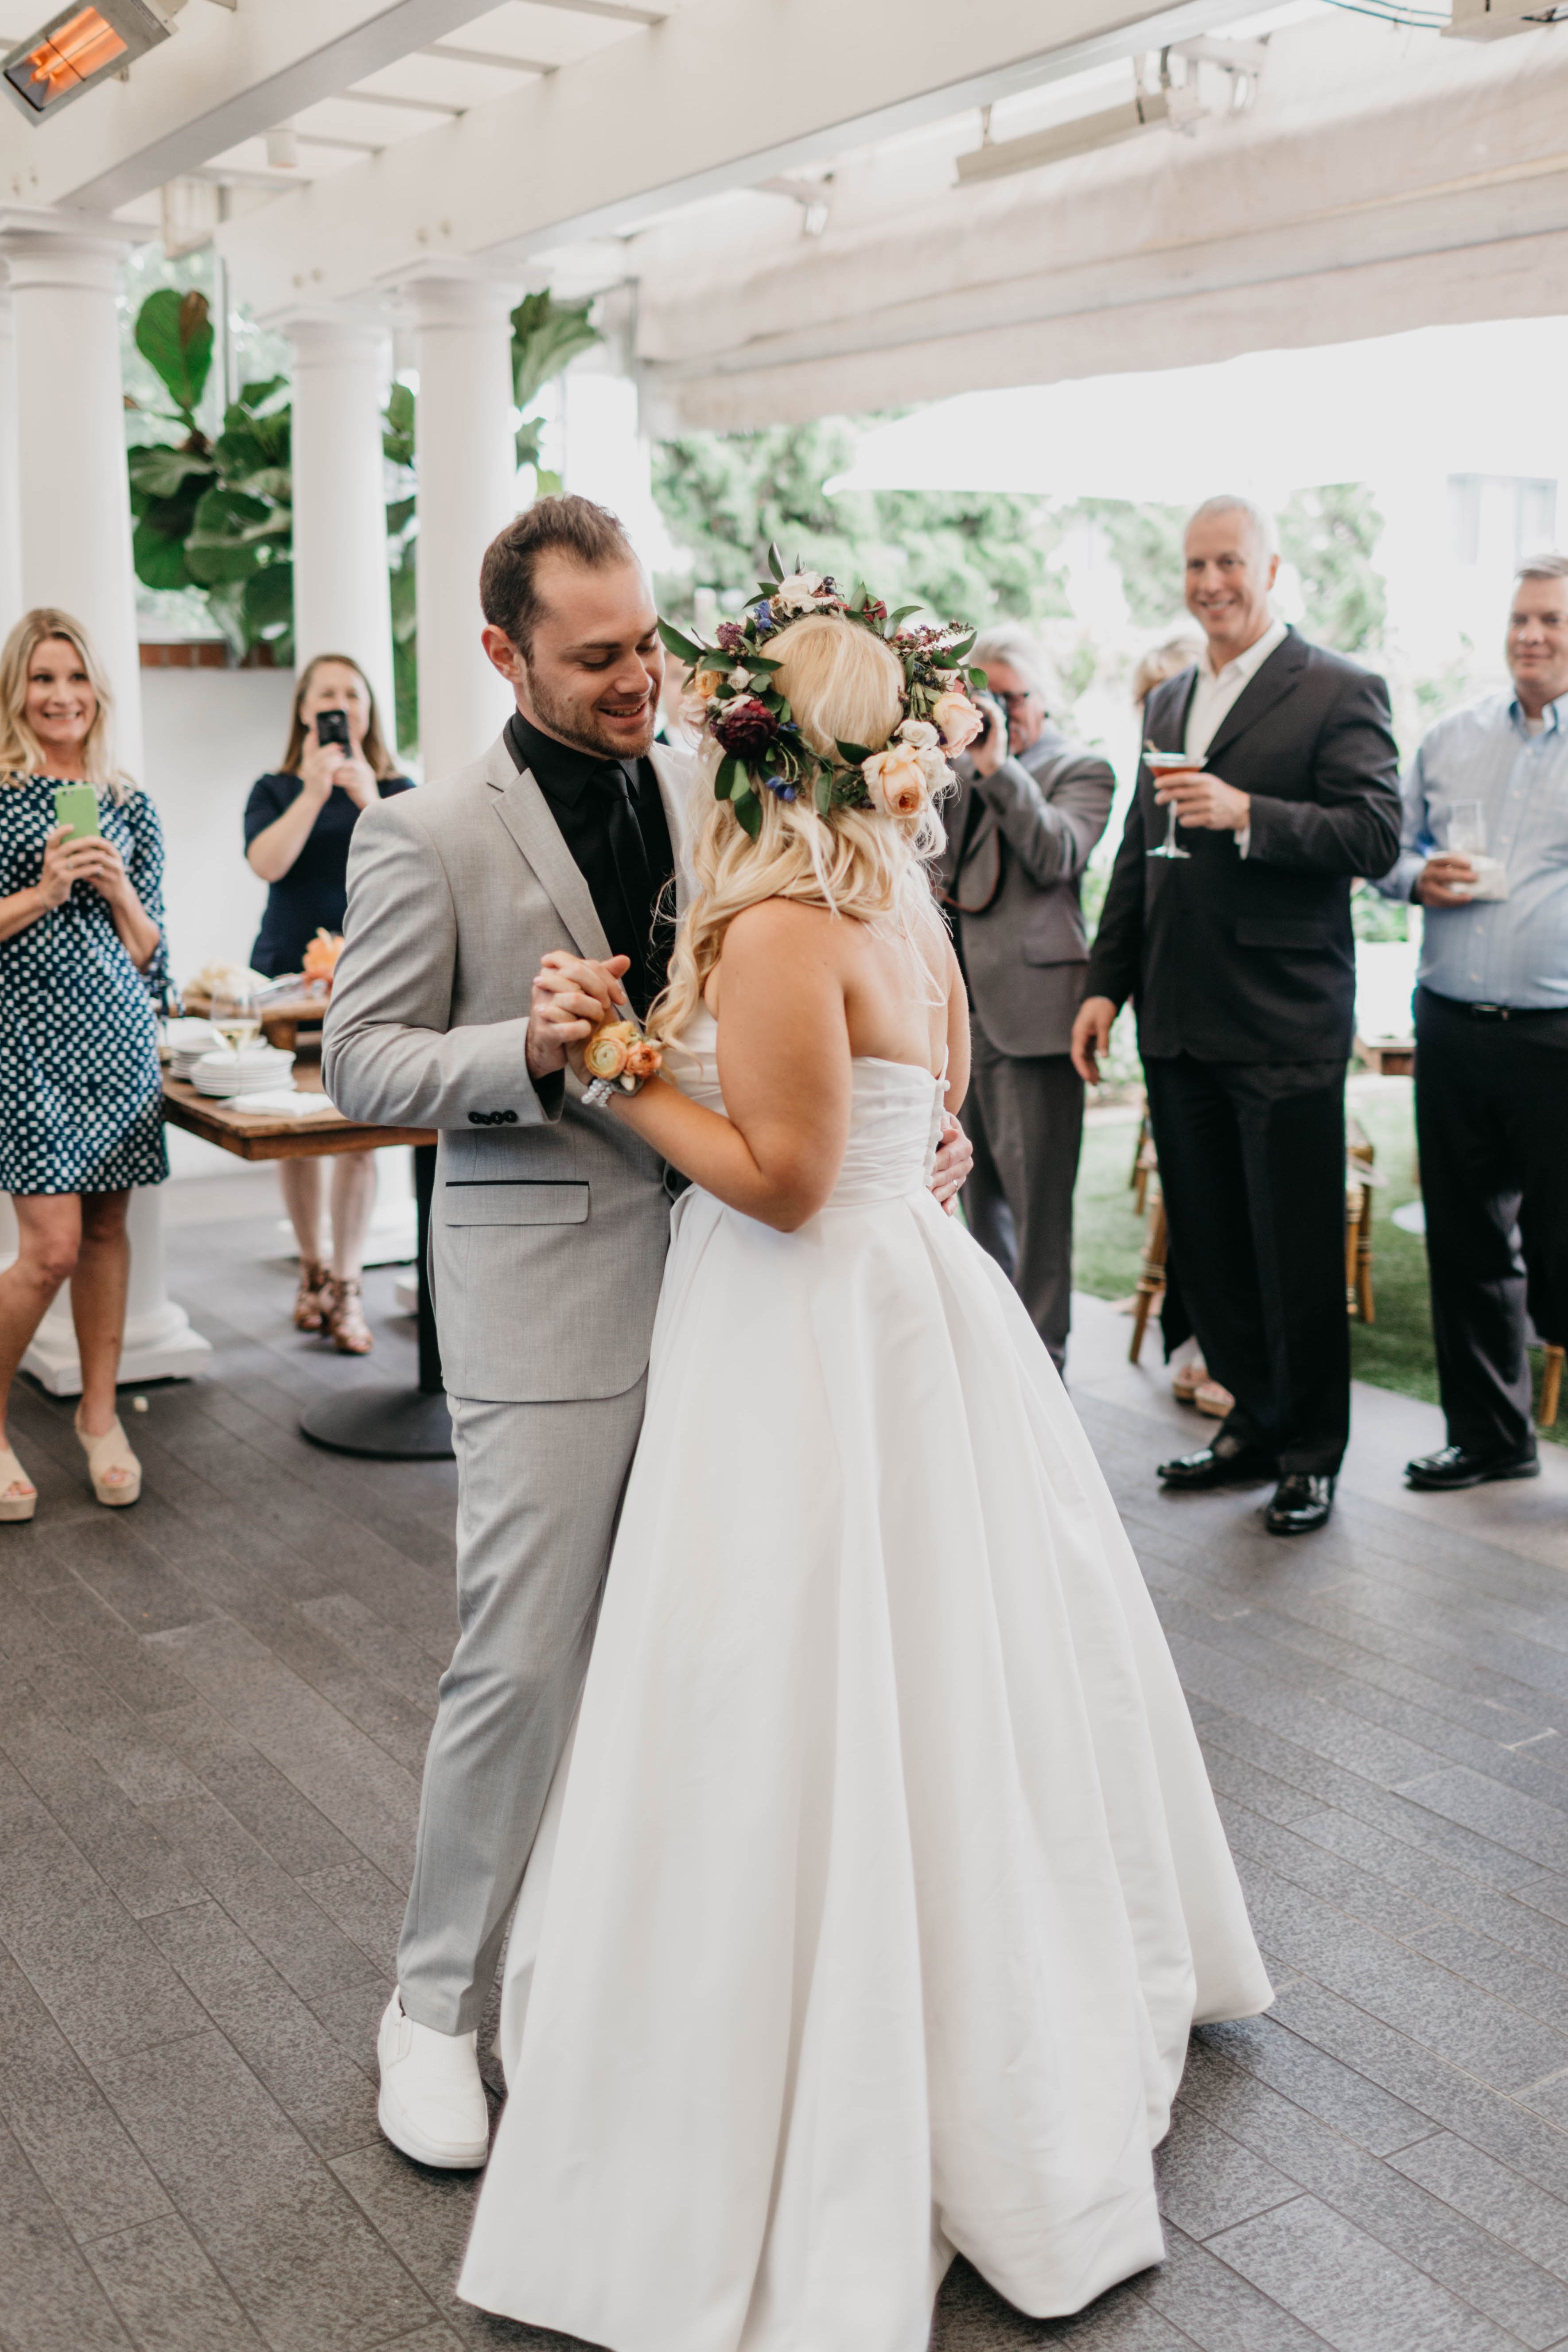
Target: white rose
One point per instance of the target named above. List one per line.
(920, 733)
(934, 768)
(806, 592)
(739, 679)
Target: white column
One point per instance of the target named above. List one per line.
(342, 601)
(74, 535)
(466, 462)
(10, 483)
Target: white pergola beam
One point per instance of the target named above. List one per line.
(223, 79)
(737, 90)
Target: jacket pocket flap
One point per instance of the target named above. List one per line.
(1279, 931)
(513, 1200)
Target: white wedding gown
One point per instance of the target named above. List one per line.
(876, 1897)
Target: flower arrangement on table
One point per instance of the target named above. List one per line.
(762, 746)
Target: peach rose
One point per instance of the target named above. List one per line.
(606, 1050)
(644, 1059)
(706, 683)
(958, 719)
(895, 781)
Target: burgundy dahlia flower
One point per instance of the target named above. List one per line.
(746, 729)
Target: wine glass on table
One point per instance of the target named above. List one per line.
(1171, 763)
(234, 1011)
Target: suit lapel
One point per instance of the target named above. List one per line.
(1265, 686)
(1167, 721)
(524, 810)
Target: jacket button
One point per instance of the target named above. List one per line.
(510, 1118)
(475, 1118)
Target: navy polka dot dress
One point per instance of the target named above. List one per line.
(81, 1106)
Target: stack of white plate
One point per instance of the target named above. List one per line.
(185, 1040)
(260, 1069)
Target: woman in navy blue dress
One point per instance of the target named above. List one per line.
(297, 828)
(81, 961)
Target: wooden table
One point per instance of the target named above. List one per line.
(384, 1423)
(1389, 1057)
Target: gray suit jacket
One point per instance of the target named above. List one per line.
(1014, 900)
(550, 1222)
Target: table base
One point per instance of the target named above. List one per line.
(382, 1424)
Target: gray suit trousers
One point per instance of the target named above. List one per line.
(1024, 1114)
(539, 1487)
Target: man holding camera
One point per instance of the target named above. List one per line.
(1031, 806)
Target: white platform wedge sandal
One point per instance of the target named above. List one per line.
(111, 1452)
(14, 1506)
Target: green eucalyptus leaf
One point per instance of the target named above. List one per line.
(953, 654)
(749, 809)
(776, 562)
(979, 681)
(901, 615)
(822, 795)
(676, 642)
(852, 754)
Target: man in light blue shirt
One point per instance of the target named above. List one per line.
(1485, 850)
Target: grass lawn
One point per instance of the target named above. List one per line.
(1393, 1352)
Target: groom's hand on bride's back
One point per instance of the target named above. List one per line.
(571, 994)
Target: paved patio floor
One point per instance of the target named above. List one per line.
(213, 1711)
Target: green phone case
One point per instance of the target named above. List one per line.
(77, 805)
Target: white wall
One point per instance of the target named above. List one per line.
(209, 734)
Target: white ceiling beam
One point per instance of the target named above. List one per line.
(410, 105)
(628, 16)
(493, 58)
(736, 90)
(221, 80)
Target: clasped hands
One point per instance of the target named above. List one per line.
(573, 994)
(92, 859)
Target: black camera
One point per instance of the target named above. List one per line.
(333, 726)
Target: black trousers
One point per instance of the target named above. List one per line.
(1252, 1165)
(1024, 1115)
(1491, 1118)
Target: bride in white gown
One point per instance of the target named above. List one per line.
(883, 1883)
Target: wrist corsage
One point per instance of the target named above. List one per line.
(619, 1059)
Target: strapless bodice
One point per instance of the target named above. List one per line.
(895, 1116)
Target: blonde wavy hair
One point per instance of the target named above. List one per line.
(842, 685)
(21, 753)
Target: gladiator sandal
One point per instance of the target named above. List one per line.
(106, 1453)
(310, 1298)
(343, 1317)
(12, 1475)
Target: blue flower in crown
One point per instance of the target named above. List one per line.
(762, 618)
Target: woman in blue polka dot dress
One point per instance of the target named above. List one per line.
(81, 960)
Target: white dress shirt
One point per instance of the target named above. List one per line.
(1218, 690)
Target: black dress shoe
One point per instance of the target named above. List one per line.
(1464, 1466)
(1229, 1462)
(1302, 1501)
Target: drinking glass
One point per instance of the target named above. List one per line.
(1169, 763)
(233, 1014)
(1466, 829)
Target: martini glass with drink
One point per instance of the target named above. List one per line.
(1163, 765)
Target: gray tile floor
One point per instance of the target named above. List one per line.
(212, 1715)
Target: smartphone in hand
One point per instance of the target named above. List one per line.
(77, 805)
(333, 726)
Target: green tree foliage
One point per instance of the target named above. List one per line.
(546, 336)
(726, 495)
(402, 527)
(1146, 545)
(1331, 536)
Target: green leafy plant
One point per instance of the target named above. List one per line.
(214, 514)
(546, 336)
(402, 541)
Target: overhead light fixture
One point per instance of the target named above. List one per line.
(1174, 106)
(82, 47)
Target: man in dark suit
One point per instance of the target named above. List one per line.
(1031, 805)
(1239, 954)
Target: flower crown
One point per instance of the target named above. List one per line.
(760, 740)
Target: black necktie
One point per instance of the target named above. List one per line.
(629, 854)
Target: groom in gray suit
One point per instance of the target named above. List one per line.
(482, 914)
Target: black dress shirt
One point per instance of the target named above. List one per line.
(581, 791)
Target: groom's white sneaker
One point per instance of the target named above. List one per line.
(432, 2102)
